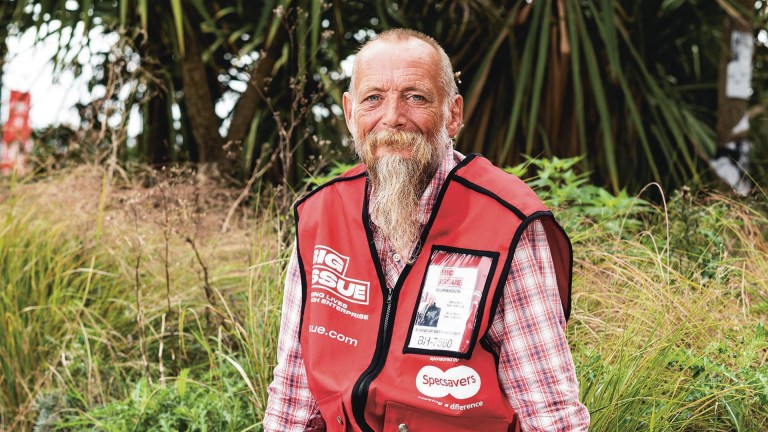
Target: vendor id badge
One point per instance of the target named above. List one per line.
(453, 294)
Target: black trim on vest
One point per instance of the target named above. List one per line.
(360, 389)
(479, 189)
(480, 307)
(302, 273)
(488, 346)
(549, 215)
(325, 185)
(513, 248)
(371, 243)
(384, 338)
(567, 311)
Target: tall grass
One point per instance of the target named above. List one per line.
(141, 313)
(664, 335)
(51, 285)
(87, 331)
(654, 353)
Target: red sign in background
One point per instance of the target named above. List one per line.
(16, 132)
(17, 126)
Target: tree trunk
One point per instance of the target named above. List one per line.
(198, 100)
(255, 94)
(158, 145)
(157, 125)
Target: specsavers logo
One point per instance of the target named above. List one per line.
(461, 382)
(328, 273)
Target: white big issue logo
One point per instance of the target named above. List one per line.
(461, 382)
(329, 269)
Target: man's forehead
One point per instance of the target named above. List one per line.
(407, 42)
(376, 59)
(397, 47)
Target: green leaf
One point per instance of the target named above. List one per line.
(144, 14)
(181, 382)
(604, 114)
(123, 12)
(538, 77)
(178, 21)
(521, 81)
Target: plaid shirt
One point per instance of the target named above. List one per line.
(535, 370)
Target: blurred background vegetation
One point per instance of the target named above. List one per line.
(630, 85)
(137, 293)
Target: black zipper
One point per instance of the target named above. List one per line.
(366, 380)
(360, 392)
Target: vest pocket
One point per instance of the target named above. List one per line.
(448, 314)
(332, 410)
(399, 417)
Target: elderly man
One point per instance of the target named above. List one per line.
(419, 230)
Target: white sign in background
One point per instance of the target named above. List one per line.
(738, 84)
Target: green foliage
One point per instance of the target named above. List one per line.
(728, 365)
(216, 401)
(711, 234)
(659, 384)
(580, 205)
(86, 331)
(698, 233)
(336, 170)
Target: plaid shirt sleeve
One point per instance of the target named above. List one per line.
(535, 369)
(291, 406)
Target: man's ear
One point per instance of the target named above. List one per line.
(347, 103)
(455, 115)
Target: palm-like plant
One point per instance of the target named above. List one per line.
(273, 57)
(630, 84)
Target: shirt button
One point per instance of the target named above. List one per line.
(402, 427)
(338, 419)
(397, 258)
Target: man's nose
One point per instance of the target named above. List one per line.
(394, 113)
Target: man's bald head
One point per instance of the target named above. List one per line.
(444, 67)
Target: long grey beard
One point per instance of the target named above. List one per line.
(398, 183)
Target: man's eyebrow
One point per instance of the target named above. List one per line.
(370, 89)
(416, 88)
(403, 90)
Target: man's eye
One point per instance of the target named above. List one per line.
(372, 98)
(418, 98)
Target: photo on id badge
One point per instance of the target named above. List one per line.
(450, 303)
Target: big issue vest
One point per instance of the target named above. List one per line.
(415, 357)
